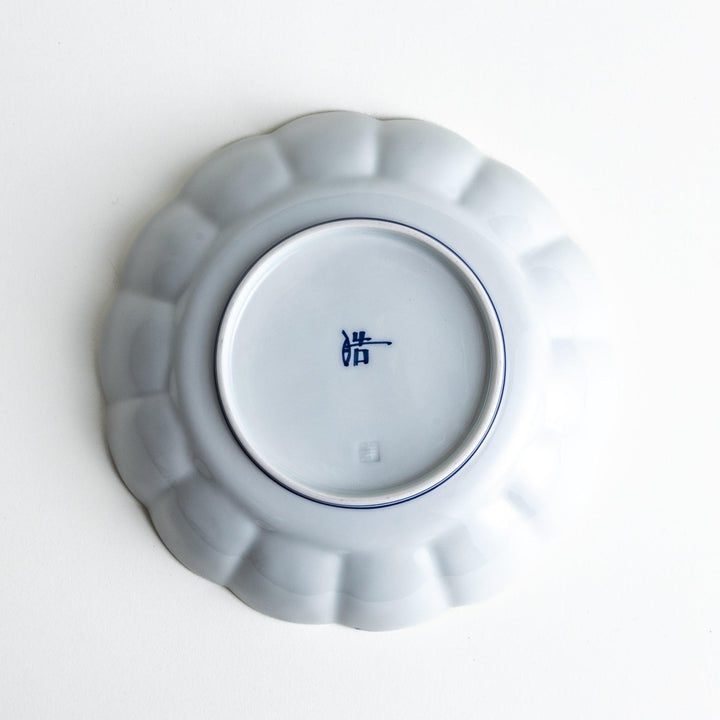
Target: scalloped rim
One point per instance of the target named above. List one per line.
(252, 540)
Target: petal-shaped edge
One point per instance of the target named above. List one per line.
(331, 145)
(512, 207)
(167, 252)
(390, 589)
(201, 524)
(564, 287)
(428, 156)
(203, 528)
(134, 354)
(238, 178)
(289, 579)
(149, 445)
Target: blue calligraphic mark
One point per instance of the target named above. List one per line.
(355, 349)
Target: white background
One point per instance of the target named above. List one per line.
(612, 108)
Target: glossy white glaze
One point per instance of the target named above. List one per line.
(223, 516)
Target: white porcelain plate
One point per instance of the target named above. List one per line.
(349, 370)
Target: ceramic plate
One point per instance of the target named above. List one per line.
(350, 371)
